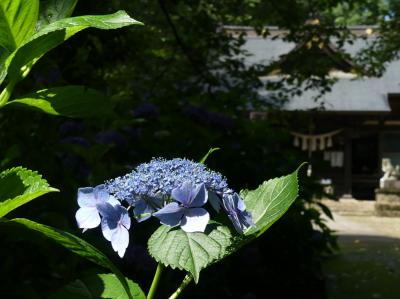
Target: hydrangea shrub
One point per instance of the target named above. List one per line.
(202, 220)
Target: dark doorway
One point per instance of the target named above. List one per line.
(365, 166)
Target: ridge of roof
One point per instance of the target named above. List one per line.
(251, 28)
(275, 30)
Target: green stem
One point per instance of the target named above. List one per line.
(188, 278)
(155, 282)
(6, 93)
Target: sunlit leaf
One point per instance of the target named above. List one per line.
(72, 101)
(56, 33)
(270, 201)
(98, 286)
(19, 186)
(73, 243)
(17, 22)
(191, 252)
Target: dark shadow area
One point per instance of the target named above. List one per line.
(89, 287)
(366, 267)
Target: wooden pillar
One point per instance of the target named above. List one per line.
(381, 127)
(348, 164)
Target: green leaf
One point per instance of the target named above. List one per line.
(98, 286)
(19, 186)
(193, 252)
(189, 251)
(73, 243)
(54, 10)
(72, 101)
(56, 33)
(3, 71)
(270, 201)
(325, 210)
(17, 22)
(210, 151)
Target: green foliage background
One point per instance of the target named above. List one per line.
(174, 88)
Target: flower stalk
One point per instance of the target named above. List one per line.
(188, 278)
(6, 93)
(156, 280)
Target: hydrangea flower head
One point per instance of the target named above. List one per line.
(187, 211)
(175, 191)
(159, 177)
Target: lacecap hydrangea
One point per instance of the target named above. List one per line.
(175, 191)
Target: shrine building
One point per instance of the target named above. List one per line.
(352, 127)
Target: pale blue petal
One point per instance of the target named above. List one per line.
(142, 210)
(171, 214)
(236, 223)
(124, 218)
(195, 220)
(115, 217)
(106, 230)
(86, 197)
(236, 209)
(109, 212)
(113, 201)
(120, 240)
(241, 221)
(101, 193)
(156, 202)
(227, 202)
(246, 219)
(87, 217)
(239, 203)
(199, 196)
(214, 200)
(183, 193)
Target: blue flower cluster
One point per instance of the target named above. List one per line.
(160, 176)
(174, 191)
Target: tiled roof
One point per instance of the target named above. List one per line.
(349, 94)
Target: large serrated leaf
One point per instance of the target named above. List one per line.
(98, 286)
(189, 251)
(195, 251)
(270, 201)
(73, 243)
(19, 186)
(71, 101)
(17, 22)
(56, 33)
